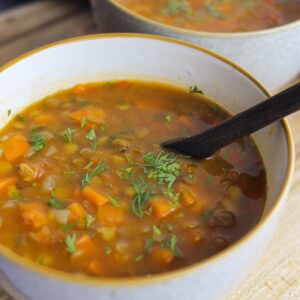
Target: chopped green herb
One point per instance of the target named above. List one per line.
(20, 118)
(156, 231)
(139, 204)
(88, 165)
(173, 197)
(37, 140)
(163, 168)
(67, 134)
(83, 122)
(139, 258)
(9, 112)
(148, 244)
(102, 128)
(107, 250)
(89, 219)
(67, 227)
(170, 243)
(110, 186)
(114, 202)
(70, 243)
(168, 118)
(17, 196)
(86, 178)
(55, 203)
(190, 176)
(194, 89)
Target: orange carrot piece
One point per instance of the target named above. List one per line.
(5, 183)
(79, 90)
(77, 209)
(109, 215)
(187, 197)
(85, 245)
(186, 122)
(94, 197)
(161, 207)
(91, 113)
(95, 267)
(15, 147)
(33, 214)
(43, 120)
(77, 194)
(162, 256)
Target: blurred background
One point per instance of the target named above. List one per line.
(28, 24)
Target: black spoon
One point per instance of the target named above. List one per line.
(205, 144)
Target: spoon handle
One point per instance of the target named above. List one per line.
(240, 125)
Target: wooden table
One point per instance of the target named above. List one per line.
(277, 274)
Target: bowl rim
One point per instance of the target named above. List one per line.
(199, 33)
(72, 278)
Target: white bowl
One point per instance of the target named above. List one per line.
(272, 55)
(106, 57)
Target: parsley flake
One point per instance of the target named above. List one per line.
(87, 177)
(67, 134)
(89, 219)
(54, 202)
(37, 140)
(70, 243)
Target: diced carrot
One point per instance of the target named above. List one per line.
(43, 120)
(162, 256)
(95, 267)
(186, 122)
(79, 89)
(91, 113)
(33, 214)
(15, 147)
(5, 183)
(187, 197)
(77, 209)
(85, 245)
(94, 197)
(77, 194)
(109, 215)
(161, 207)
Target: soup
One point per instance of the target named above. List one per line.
(218, 15)
(85, 187)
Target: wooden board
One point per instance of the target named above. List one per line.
(277, 274)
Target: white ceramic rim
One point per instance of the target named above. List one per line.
(198, 33)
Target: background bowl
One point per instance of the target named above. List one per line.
(107, 57)
(272, 55)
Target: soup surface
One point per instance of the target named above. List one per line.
(85, 187)
(218, 15)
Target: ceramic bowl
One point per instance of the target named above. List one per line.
(272, 55)
(107, 57)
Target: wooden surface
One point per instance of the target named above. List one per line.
(277, 274)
